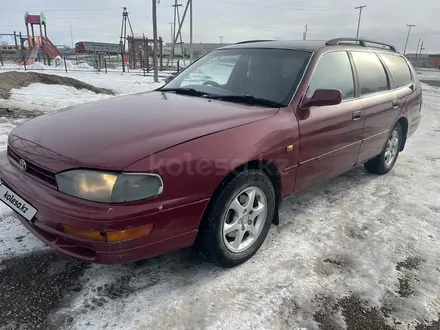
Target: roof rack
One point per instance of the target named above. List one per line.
(250, 41)
(361, 42)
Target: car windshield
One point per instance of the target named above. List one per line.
(243, 75)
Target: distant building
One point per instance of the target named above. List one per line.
(418, 60)
(434, 60)
(199, 49)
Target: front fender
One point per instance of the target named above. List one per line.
(193, 170)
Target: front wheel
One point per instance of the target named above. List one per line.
(240, 219)
(385, 161)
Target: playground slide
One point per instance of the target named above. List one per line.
(50, 49)
(33, 53)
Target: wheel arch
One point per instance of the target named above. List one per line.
(265, 166)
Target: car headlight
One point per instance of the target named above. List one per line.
(107, 187)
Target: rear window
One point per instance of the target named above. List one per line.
(371, 73)
(399, 69)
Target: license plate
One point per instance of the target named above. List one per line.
(17, 203)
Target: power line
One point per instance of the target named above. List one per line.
(278, 5)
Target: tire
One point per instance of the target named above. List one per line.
(221, 248)
(382, 164)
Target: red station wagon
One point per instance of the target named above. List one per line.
(207, 158)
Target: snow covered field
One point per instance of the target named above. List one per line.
(358, 252)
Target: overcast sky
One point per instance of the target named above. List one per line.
(235, 20)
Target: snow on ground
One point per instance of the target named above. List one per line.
(51, 97)
(372, 237)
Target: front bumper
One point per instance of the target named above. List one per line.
(175, 226)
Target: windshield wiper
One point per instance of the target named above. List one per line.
(248, 99)
(183, 91)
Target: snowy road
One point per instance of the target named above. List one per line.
(358, 252)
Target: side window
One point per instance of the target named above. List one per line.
(398, 68)
(333, 71)
(372, 75)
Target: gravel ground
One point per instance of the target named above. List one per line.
(357, 252)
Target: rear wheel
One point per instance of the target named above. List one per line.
(240, 219)
(385, 161)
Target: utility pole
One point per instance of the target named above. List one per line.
(191, 58)
(181, 41)
(180, 27)
(71, 35)
(416, 62)
(359, 19)
(305, 33)
(125, 20)
(220, 38)
(410, 26)
(417, 49)
(421, 48)
(171, 26)
(156, 74)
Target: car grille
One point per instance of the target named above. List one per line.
(34, 170)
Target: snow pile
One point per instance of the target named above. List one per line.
(54, 97)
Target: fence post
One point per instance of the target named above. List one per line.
(24, 63)
(105, 65)
(147, 56)
(141, 59)
(21, 44)
(65, 63)
(178, 65)
(15, 40)
(161, 53)
(122, 55)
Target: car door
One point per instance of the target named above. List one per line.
(379, 101)
(408, 91)
(330, 136)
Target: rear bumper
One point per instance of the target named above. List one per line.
(413, 126)
(175, 226)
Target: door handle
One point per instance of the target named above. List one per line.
(395, 104)
(357, 115)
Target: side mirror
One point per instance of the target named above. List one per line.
(323, 97)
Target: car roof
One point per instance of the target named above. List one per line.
(305, 45)
(313, 45)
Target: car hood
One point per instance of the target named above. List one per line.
(114, 133)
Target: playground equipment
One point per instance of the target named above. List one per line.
(34, 47)
(37, 43)
(140, 49)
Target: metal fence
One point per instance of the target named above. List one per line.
(91, 62)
